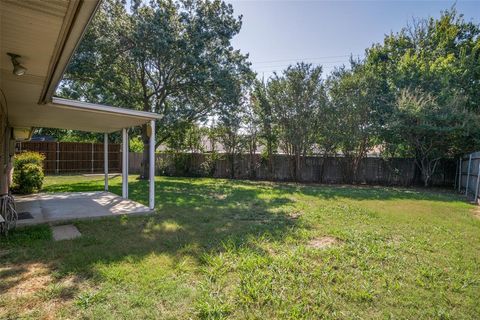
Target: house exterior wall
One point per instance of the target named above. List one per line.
(6, 153)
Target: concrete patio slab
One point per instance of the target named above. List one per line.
(53, 207)
(65, 232)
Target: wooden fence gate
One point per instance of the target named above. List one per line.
(468, 176)
(74, 157)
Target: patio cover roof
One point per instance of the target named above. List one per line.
(75, 115)
(45, 34)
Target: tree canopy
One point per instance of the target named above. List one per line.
(416, 94)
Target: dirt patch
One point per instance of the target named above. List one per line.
(26, 279)
(476, 212)
(324, 242)
(35, 292)
(295, 215)
(219, 196)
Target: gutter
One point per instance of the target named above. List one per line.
(98, 108)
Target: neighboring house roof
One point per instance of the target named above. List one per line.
(45, 34)
(43, 138)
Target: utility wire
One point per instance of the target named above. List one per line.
(306, 59)
(280, 68)
(316, 64)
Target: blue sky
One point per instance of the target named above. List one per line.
(277, 33)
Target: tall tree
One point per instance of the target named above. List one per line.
(262, 108)
(170, 57)
(252, 130)
(358, 100)
(229, 132)
(297, 97)
(426, 126)
(438, 59)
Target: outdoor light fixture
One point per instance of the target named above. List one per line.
(22, 134)
(18, 69)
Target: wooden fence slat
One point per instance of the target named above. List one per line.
(377, 171)
(74, 157)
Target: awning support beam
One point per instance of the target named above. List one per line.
(151, 167)
(124, 163)
(105, 160)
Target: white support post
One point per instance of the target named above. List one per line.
(93, 158)
(468, 174)
(57, 162)
(124, 163)
(105, 160)
(478, 183)
(151, 167)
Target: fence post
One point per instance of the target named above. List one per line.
(57, 163)
(468, 175)
(460, 175)
(456, 177)
(478, 183)
(92, 157)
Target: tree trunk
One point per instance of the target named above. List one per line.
(253, 164)
(232, 165)
(297, 166)
(145, 156)
(270, 159)
(322, 167)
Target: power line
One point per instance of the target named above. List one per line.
(301, 59)
(318, 64)
(281, 68)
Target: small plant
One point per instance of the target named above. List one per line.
(28, 172)
(87, 299)
(208, 166)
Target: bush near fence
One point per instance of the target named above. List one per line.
(375, 171)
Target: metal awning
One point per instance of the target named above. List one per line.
(45, 35)
(75, 115)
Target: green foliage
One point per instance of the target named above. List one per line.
(298, 99)
(175, 58)
(431, 70)
(62, 135)
(28, 172)
(186, 137)
(170, 57)
(209, 163)
(135, 144)
(359, 102)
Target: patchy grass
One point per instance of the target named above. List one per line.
(220, 249)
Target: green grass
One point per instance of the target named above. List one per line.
(219, 249)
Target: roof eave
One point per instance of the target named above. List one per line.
(66, 103)
(79, 15)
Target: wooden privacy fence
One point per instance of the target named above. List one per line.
(468, 176)
(74, 157)
(397, 171)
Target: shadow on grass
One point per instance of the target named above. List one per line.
(191, 220)
(200, 189)
(194, 217)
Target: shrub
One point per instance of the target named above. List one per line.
(135, 144)
(28, 172)
(208, 166)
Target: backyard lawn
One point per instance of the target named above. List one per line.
(219, 249)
